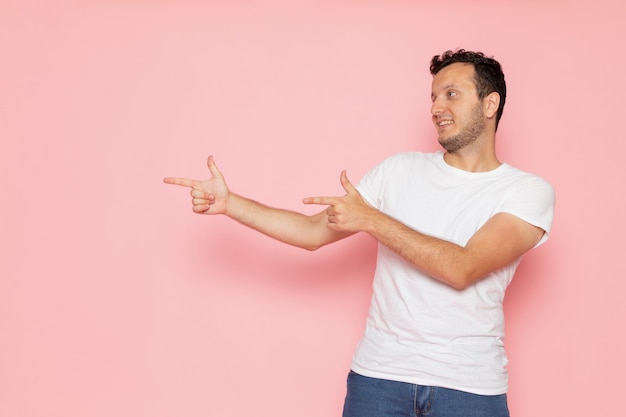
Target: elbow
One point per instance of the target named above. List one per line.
(311, 248)
(462, 279)
(309, 244)
(302, 244)
(315, 241)
(460, 284)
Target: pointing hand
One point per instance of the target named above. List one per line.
(349, 213)
(207, 196)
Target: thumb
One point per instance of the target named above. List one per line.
(213, 167)
(346, 184)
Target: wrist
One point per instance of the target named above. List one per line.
(375, 222)
(230, 204)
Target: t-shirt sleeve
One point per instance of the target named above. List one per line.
(373, 183)
(532, 201)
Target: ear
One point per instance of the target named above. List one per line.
(491, 104)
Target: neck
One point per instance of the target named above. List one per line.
(478, 157)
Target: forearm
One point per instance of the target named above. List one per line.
(500, 241)
(293, 228)
(442, 260)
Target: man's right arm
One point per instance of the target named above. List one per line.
(212, 196)
(293, 228)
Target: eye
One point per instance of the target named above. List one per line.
(451, 93)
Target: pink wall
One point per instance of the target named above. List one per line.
(116, 300)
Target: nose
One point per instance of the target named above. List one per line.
(436, 108)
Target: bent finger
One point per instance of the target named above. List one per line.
(201, 201)
(201, 208)
(198, 193)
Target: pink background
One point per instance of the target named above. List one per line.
(117, 300)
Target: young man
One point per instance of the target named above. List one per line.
(452, 227)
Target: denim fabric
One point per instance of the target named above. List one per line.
(372, 397)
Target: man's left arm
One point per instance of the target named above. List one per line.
(500, 241)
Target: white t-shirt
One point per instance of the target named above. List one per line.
(420, 330)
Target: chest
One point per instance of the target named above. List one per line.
(448, 208)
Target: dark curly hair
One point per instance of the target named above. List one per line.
(489, 76)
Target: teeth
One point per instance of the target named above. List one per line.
(445, 122)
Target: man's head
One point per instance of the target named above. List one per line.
(488, 77)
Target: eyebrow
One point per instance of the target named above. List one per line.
(446, 87)
(449, 86)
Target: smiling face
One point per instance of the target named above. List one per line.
(457, 112)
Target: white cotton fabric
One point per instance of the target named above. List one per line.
(422, 331)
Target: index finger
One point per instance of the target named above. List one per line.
(326, 201)
(185, 182)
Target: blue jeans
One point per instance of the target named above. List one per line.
(372, 397)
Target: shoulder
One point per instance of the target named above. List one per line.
(401, 165)
(523, 181)
(529, 197)
(412, 159)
